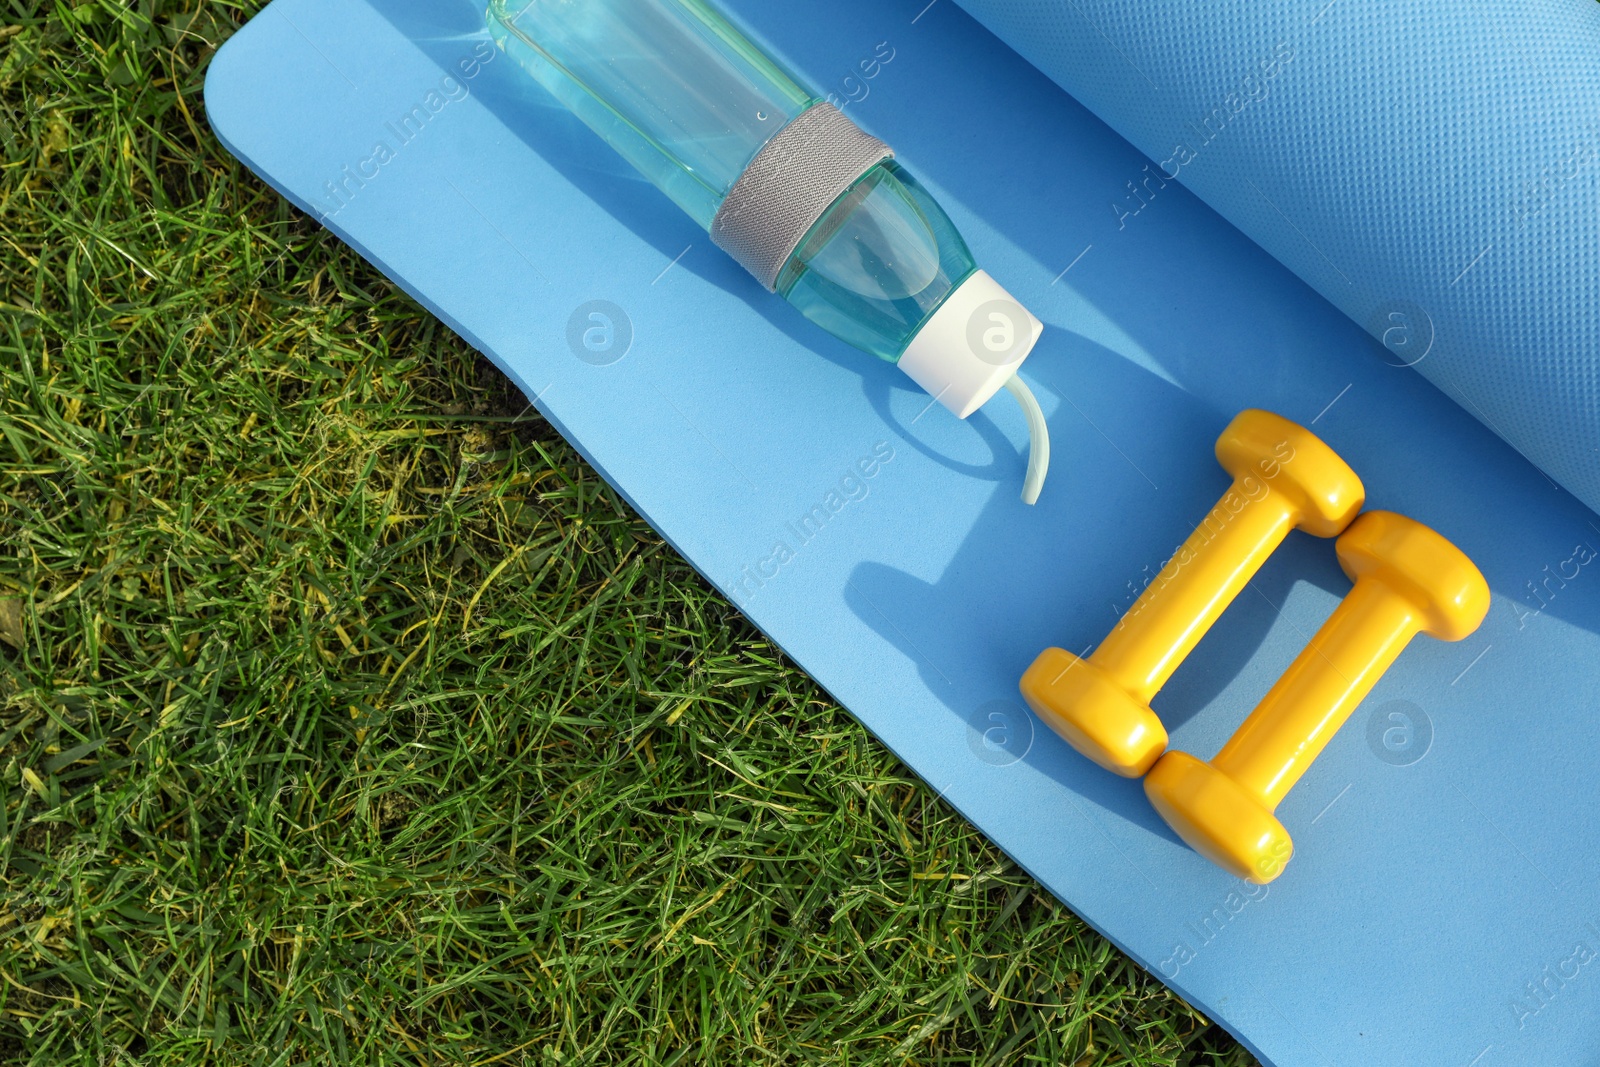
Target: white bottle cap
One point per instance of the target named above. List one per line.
(971, 345)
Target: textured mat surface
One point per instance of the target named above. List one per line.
(1432, 169)
(1439, 909)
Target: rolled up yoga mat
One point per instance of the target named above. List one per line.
(1432, 169)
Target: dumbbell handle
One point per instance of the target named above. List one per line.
(1331, 676)
(1196, 585)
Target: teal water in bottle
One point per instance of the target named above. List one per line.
(816, 209)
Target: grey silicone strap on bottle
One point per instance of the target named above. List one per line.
(788, 186)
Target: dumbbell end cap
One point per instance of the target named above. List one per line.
(1285, 457)
(1093, 713)
(1217, 818)
(1443, 586)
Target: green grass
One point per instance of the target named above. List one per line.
(347, 716)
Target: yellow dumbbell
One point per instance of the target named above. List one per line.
(1284, 477)
(1408, 580)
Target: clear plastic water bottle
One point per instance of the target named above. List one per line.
(816, 209)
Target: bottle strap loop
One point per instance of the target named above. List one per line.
(789, 185)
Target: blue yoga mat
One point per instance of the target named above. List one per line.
(1442, 907)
